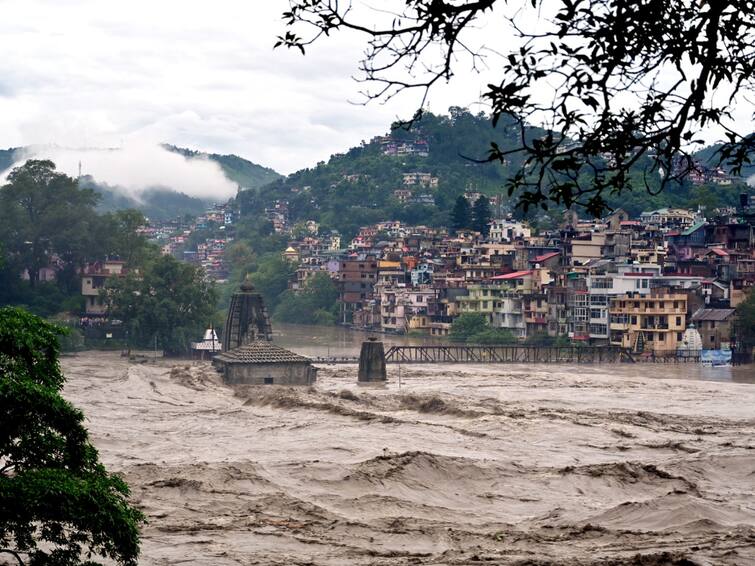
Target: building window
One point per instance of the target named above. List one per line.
(712, 338)
(678, 320)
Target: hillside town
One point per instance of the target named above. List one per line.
(660, 284)
(664, 282)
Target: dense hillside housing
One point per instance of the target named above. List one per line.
(639, 283)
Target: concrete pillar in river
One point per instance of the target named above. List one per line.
(372, 361)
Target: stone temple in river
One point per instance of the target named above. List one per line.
(249, 357)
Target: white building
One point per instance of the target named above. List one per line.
(507, 231)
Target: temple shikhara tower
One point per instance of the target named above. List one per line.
(247, 319)
(249, 357)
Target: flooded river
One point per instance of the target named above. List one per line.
(327, 341)
(462, 464)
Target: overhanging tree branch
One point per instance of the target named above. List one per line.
(637, 82)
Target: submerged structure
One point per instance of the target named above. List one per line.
(247, 319)
(372, 362)
(249, 357)
(263, 363)
(208, 346)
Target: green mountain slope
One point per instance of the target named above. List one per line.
(156, 203)
(168, 202)
(708, 157)
(7, 158)
(357, 187)
(244, 173)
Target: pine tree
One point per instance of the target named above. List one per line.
(481, 215)
(461, 216)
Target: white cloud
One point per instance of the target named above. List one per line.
(86, 73)
(140, 165)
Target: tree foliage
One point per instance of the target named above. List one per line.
(58, 504)
(627, 84)
(169, 301)
(744, 324)
(44, 212)
(481, 215)
(315, 304)
(466, 325)
(46, 220)
(271, 278)
(461, 214)
(474, 328)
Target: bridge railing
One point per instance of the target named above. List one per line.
(504, 354)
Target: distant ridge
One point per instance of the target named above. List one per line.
(160, 203)
(246, 174)
(416, 176)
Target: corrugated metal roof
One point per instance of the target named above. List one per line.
(712, 314)
(514, 275)
(260, 352)
(720, 252)
(545, 257)
(692, 229)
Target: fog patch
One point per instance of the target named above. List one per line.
(138, 167)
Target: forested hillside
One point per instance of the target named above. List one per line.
(7, 158)
(156, 203)
(363, 180)
(244, 173)
(166, 202)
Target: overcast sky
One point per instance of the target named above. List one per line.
(100, 73)
(93, 73)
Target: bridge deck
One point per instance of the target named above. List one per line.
(467, 354)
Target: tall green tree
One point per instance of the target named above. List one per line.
(461, 214)
(481, 215)
(43, 212)
(169, 303)
(58, 504)
(744, 324)
(127, 243)
(468, 324)
(271, 278)
(317, 303)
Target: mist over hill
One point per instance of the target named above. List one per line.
(162, 181)
(166, 181)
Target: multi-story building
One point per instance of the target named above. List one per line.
(654, 322)
(507, 231)
(670, 218)
(356, 279)
(403, 309)
(93, 279)
(714, 326)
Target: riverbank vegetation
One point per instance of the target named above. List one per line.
(58, 503)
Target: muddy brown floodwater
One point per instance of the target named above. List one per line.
(463, 464)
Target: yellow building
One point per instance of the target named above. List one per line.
(649, 323)
(481, 300)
